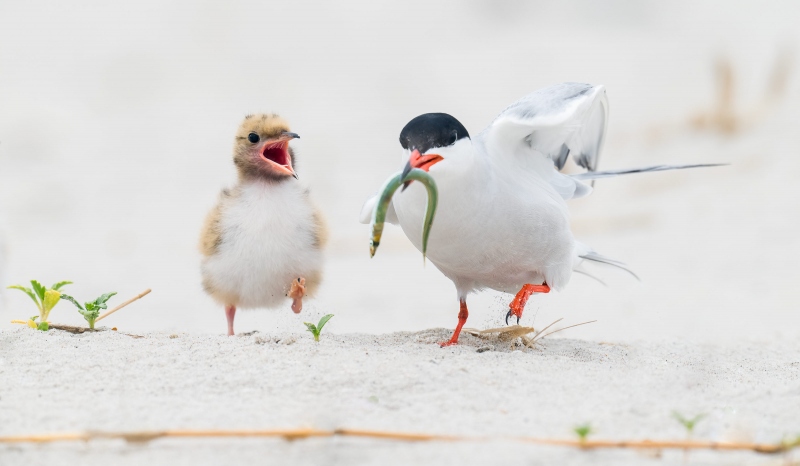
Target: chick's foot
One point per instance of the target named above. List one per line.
(296, 292)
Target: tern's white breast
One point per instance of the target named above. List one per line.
(493, 228)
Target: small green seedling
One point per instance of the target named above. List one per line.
(317, 329)
(43, 326)
(689, 424)
(583, 431)
(45, 299)
(91, 309)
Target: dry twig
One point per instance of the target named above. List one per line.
(139, 296)
(296, 434)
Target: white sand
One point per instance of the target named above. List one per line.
(55, 382)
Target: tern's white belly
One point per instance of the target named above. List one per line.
(503, 239)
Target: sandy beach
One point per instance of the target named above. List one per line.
(110, 381)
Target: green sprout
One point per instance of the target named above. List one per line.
(43, 326)
(91, 309)
(317, 329)
(689, 424)
(583, 431)
(45, 299)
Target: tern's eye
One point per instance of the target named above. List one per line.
(252, 137)
(453, 138)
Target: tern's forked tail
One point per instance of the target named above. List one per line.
(654, 168)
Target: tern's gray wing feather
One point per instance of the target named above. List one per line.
(557, 121)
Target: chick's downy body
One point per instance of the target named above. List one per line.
(262, 242)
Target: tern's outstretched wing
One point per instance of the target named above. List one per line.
(557, 122)
(369, 207)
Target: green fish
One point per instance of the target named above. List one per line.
(389, 188)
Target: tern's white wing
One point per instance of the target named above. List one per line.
(369, 207)
(559, 121)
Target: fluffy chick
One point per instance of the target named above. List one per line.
(262, 243)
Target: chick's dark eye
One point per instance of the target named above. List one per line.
(252, 137)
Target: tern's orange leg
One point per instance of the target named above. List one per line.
(462, 319)
(230, 312)
(518, 304)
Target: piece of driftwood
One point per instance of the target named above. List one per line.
(74, 329)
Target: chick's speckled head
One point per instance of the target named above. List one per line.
(261, 148)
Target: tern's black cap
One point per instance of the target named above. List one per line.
(432, 130)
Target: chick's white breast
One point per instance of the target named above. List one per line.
(267, 240)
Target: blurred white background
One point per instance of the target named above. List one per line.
(117, 120)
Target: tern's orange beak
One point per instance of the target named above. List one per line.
(423, 162)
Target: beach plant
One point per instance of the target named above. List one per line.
(45, 299)
(583, 431)
(91, 309)
(43, 326)
(317, 329)
(688, 423)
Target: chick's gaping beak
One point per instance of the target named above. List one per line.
(276, 153)
(423, 162)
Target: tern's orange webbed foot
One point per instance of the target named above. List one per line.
(296, 292)
(521, 299)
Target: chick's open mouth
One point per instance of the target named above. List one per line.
(277, 153)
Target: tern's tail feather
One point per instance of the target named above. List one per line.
(594, 257)
(654, 168)
(585, 253)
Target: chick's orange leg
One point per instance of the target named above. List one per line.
(296, 292)
(518, 304)
(230, 312)
(462, 319)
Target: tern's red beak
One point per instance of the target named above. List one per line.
(423, 162)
